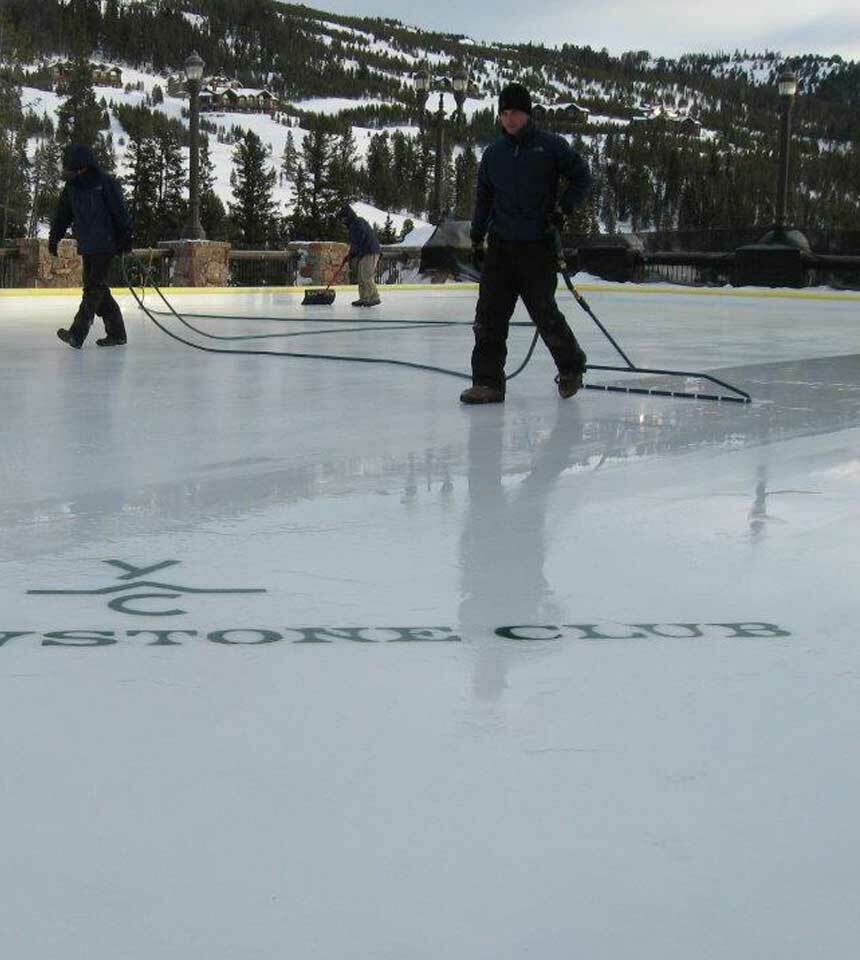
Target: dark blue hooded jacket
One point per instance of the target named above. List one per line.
(93, 204)
(362, 239)
(518, 180)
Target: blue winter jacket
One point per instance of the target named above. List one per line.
(518, 185)
(93, 204)
(362, 239)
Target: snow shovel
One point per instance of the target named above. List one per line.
(322, 298)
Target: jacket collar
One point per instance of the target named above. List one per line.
(524, 137)
(90, 178)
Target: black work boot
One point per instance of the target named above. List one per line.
(66, 337)
(111, 342)
(359, 303)
(481, 393)
(568, 384)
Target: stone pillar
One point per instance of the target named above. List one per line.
(320, 260)
(199, 263)
(37, 268)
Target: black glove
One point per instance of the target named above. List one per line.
(52, 247)
(478, 254)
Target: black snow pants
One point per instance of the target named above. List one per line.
(97, 300)
(530, 271)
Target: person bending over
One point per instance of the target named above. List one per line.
(364, 246)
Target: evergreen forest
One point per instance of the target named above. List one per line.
(651, 175)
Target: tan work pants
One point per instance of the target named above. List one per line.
(367, 290)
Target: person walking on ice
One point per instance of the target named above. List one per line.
(92, 203)
(515, 209)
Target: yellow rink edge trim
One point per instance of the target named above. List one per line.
(630, 289)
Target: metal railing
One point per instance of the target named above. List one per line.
(400, 265)
(10, 269)
(831, 270)
(706, 269)
(152, 264)
(701, 270)
(264, 268)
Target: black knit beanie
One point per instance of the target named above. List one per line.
(515, 97)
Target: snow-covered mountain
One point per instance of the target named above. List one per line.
(362, 70)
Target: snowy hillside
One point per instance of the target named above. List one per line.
(357, 73)
(272, 133)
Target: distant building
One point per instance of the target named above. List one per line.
(560, 117)
(238, 100)
(104, 75)
(223, 95)
(571, 111)
(680, 122)
(176, 84)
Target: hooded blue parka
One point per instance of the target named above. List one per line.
(362, 240)
(93, 204)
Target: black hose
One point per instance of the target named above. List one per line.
(283, 353)
(740, 396)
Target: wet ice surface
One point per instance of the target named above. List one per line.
(577, 679)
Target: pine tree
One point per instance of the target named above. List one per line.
(403, 161)
(14, 185)
(254, 212)
(45, 184)
(302, 223)
(172, 186)
(465, 181)
(111, 24)
(213, 215)
(11, 116)
(289, 160)
(419, 193)
(343, 175)
(104, 151)
(142, 183)
(380, 179)
(14, 164)
(387, 234)
(315, 204)
(80, 117)
(448, 174)
(583, 221)
(206, 169)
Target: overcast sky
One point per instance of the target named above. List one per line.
(665, 27)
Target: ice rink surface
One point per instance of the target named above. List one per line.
(301, 658)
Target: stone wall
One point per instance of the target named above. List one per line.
(199, 263)
(320, 261)
(37, 268)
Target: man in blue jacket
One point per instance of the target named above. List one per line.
(92, 203)
(515, 207)
(364, 246)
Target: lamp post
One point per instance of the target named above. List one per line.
(193, 75)
(787, 90)
(425, 82)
